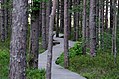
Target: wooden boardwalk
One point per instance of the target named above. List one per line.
(58, 72)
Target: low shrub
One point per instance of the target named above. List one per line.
(101, 66)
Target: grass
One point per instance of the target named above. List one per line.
(35, 74)
(99, 67)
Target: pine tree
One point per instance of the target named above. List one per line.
(18, 40)
(92, 26)
(66, 55)
(84, 27)
(34, 37)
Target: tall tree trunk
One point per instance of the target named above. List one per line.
(57, 26)
(87, 29)
(48, 11)
(77, 21)
(50, 44)
(66, 55)
(34, 37)
(114, 46)
(92, 26)
(118, 16)
(74, 26)
(2, 21)
(101, 24)
(74, 21)
(99, 19)
(62, 16)
(69, 18)
(40, 20)
(113, 27)
(84, 27)
(106, 16)
(97, 22)
(18, 40)
(87, 33)
(6, 18)
(44, 45)
(10, 13)
(111, 16)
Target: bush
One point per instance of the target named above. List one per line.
(99, 67)
(4, 64)
(35, 74)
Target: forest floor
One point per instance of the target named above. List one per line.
(58, 72)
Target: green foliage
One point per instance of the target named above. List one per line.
(7, 4)
(74, 51)
(4, 64)
(35, 6)
(77, 49)
(79, 8)
(76, 8)
(4, 68)
(5, 45)
(35, 74)
(60, 60)
(41, 49)
(107, 39)
(100, 67)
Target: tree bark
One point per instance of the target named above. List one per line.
(6, 18)
(50, 44)
(40, 20)
(106, 16)
(97, 22)
(34, 37)
(84, 27)
(69, 18)
(77, 21)
(62, 16)
(57, 26)
(2, 21)
(118, 16)
(87, 33)
(44, 45)
(48, 11)
(114, 33)
(18, 40)
(101, 24)
(66, 55)
(74, 27)
(111, 16)
(92, 26)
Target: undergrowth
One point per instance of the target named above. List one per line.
(4, 64)
(101, 66)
